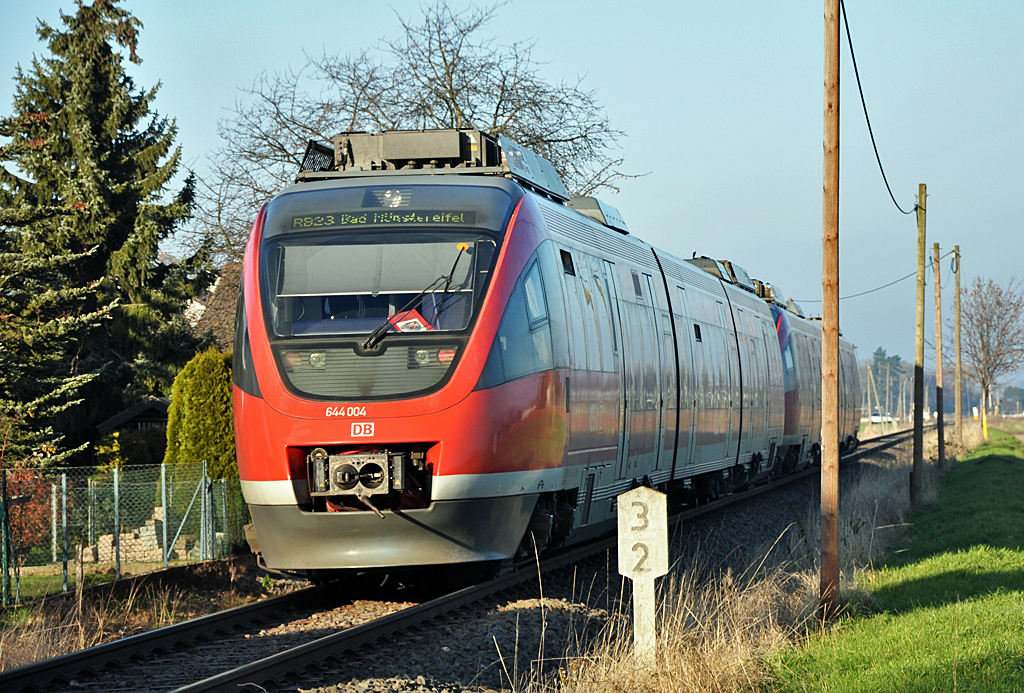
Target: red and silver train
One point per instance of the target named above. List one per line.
(441, 357)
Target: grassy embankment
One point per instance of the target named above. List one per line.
(945, 612)
(717, 630)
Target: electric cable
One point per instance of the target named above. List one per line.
(878, 158)
(871, 291)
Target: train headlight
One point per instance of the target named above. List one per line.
(318, 359)
(423, 357)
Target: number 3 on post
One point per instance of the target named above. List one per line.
(643, 534)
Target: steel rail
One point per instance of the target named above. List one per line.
(43, 674)
(276, 670)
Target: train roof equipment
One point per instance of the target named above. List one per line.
(599, 211)
(431, 152)
(734, 274)
(439, 152)
(712, 267)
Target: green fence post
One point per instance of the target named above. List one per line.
(64, 526)
(224, 510)
(12, 553)
(53, 513)
(4, 510)
(92, 513)
(117, 526)
(203, 539)
(163, 501)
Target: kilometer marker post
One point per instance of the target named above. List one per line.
(643, 556)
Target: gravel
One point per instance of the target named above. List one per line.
(488, 647)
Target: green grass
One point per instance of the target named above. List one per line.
(42, 585)
(944, 613)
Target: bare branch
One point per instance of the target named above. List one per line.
(992, 330)
(441, 71)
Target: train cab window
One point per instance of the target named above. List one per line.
(567, 262)
(636, 287)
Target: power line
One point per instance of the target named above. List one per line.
(865, 105)
(870, 291)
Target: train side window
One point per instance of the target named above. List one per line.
(523, 343)
(684, 308)
(243, 374)
(636, 287)
(721, 317)
(696, 331)
(567, 262)
(533, 285)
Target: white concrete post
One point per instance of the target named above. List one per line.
(643, 556)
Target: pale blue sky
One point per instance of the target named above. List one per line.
(722, 105)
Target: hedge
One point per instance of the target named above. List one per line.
(200, 425)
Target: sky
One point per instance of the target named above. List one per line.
(721, 104)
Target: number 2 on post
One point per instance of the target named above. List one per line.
(643, 559)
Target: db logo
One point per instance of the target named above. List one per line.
(361, 430)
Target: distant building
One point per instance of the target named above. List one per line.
(214, 310)
(149, 414)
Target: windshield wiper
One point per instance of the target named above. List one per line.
(378, 335)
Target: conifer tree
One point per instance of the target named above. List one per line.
(86, 174)
(42, 324)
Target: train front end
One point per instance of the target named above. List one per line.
(367, 312)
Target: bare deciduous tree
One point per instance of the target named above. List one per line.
(992, 331)
(439, 73)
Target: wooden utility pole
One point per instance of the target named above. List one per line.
(916, 476)
(956, 348)
(938, 357)
(829, 586)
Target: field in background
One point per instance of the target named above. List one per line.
(946, 611)
(725, 633)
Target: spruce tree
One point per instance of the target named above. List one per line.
(91, 167)
(42, 324)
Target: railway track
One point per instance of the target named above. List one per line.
(73, 671)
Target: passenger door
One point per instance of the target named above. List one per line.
(643, 382)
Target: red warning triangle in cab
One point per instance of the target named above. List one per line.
(410, 321)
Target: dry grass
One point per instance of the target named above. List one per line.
(710, 637)
(712, 633)
(57, 626)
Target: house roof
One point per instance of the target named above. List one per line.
(149, 409)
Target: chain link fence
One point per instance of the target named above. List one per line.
(55, 521)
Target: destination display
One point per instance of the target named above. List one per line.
(384, 218)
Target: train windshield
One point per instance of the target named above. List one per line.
(370, 292)
(343, 260)
(351, 284)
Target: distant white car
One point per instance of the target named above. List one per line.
(877, 418)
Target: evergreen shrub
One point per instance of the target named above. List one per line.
(200, 425)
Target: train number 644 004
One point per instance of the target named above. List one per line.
(345, 411)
